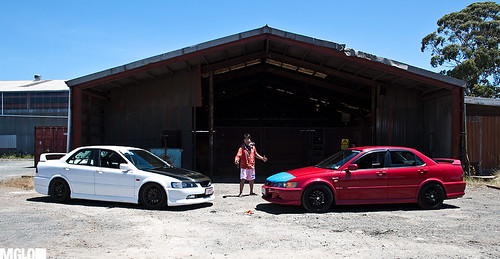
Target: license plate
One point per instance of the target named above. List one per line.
(263, 190)
(209, 190)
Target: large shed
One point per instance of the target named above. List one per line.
(301, 98)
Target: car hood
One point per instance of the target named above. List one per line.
(292, 174)
(306, 171)
(180, 173)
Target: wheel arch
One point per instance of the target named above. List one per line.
(56, 177)
(432, 181)
(147, 182)
(319, 181)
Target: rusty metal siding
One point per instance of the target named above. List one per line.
(483, 142)
(437, 126)
(136, 115)
(399, 117)
(406, 118)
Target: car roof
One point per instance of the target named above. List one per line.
(111, 147)
(371, 148)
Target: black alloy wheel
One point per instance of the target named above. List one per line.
(153, 196)
(59, 190)
(431, 196)
(317, 198)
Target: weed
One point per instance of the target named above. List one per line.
(25, 182)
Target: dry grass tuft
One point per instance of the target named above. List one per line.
(25, 182)
(494, 181)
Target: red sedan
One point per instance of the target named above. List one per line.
(369, 175)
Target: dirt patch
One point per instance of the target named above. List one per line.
(252, 228)
(25, 183)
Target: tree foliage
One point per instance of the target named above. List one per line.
(466, 43)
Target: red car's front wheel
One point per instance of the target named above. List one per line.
(317, 198)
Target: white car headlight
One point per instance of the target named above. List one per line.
(183, 185)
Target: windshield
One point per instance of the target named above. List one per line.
(144, 160)
(338, 160)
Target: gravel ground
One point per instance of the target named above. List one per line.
(252, 228)
(11, 168)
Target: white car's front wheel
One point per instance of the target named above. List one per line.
(153, 196)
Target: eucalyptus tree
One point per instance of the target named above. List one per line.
(466, 45)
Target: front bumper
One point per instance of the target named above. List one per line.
(288, 196)
(187, 196)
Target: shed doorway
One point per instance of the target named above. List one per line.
(294, 124)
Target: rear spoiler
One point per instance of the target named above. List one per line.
(448, 161)
(51, 156)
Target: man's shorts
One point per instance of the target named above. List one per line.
(247, 174)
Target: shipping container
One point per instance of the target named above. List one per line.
(50, 140)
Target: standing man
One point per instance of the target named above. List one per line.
(246, 159)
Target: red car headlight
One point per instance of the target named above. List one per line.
(285, 184)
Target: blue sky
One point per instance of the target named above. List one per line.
(73, 38)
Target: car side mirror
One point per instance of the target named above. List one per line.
(125, 167)
(352, 167)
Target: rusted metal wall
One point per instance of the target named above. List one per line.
(483, 142)
(437, 126)
(136, 115)
(92, 119)
(399, 116)
(405, 118)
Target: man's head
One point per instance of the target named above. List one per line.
(246, 139)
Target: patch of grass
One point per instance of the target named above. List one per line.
(25, 182)
(474, 181)
(17, 156)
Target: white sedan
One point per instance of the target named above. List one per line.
(120, 174)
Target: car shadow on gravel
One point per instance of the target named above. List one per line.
(277, 209)
(110, 205)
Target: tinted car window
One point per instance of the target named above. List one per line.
(405, 159)
(372, 160)
(338, 160)
(110, 159)
(84, 157)
(144, 160)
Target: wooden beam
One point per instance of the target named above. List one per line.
(317, 82)
(230, 62)
(211, 123)
(325, 70)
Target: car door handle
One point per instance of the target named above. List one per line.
(66, 168)
(100, 172)
(381, 173)
(422, 171)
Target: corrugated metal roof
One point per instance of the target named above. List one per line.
(33, 86)
(295, 39)
(482, 101)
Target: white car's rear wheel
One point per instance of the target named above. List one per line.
(59, 190)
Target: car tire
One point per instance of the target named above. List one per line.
(153, 196)
(59, 190)
(317, 198)
(431, 196)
